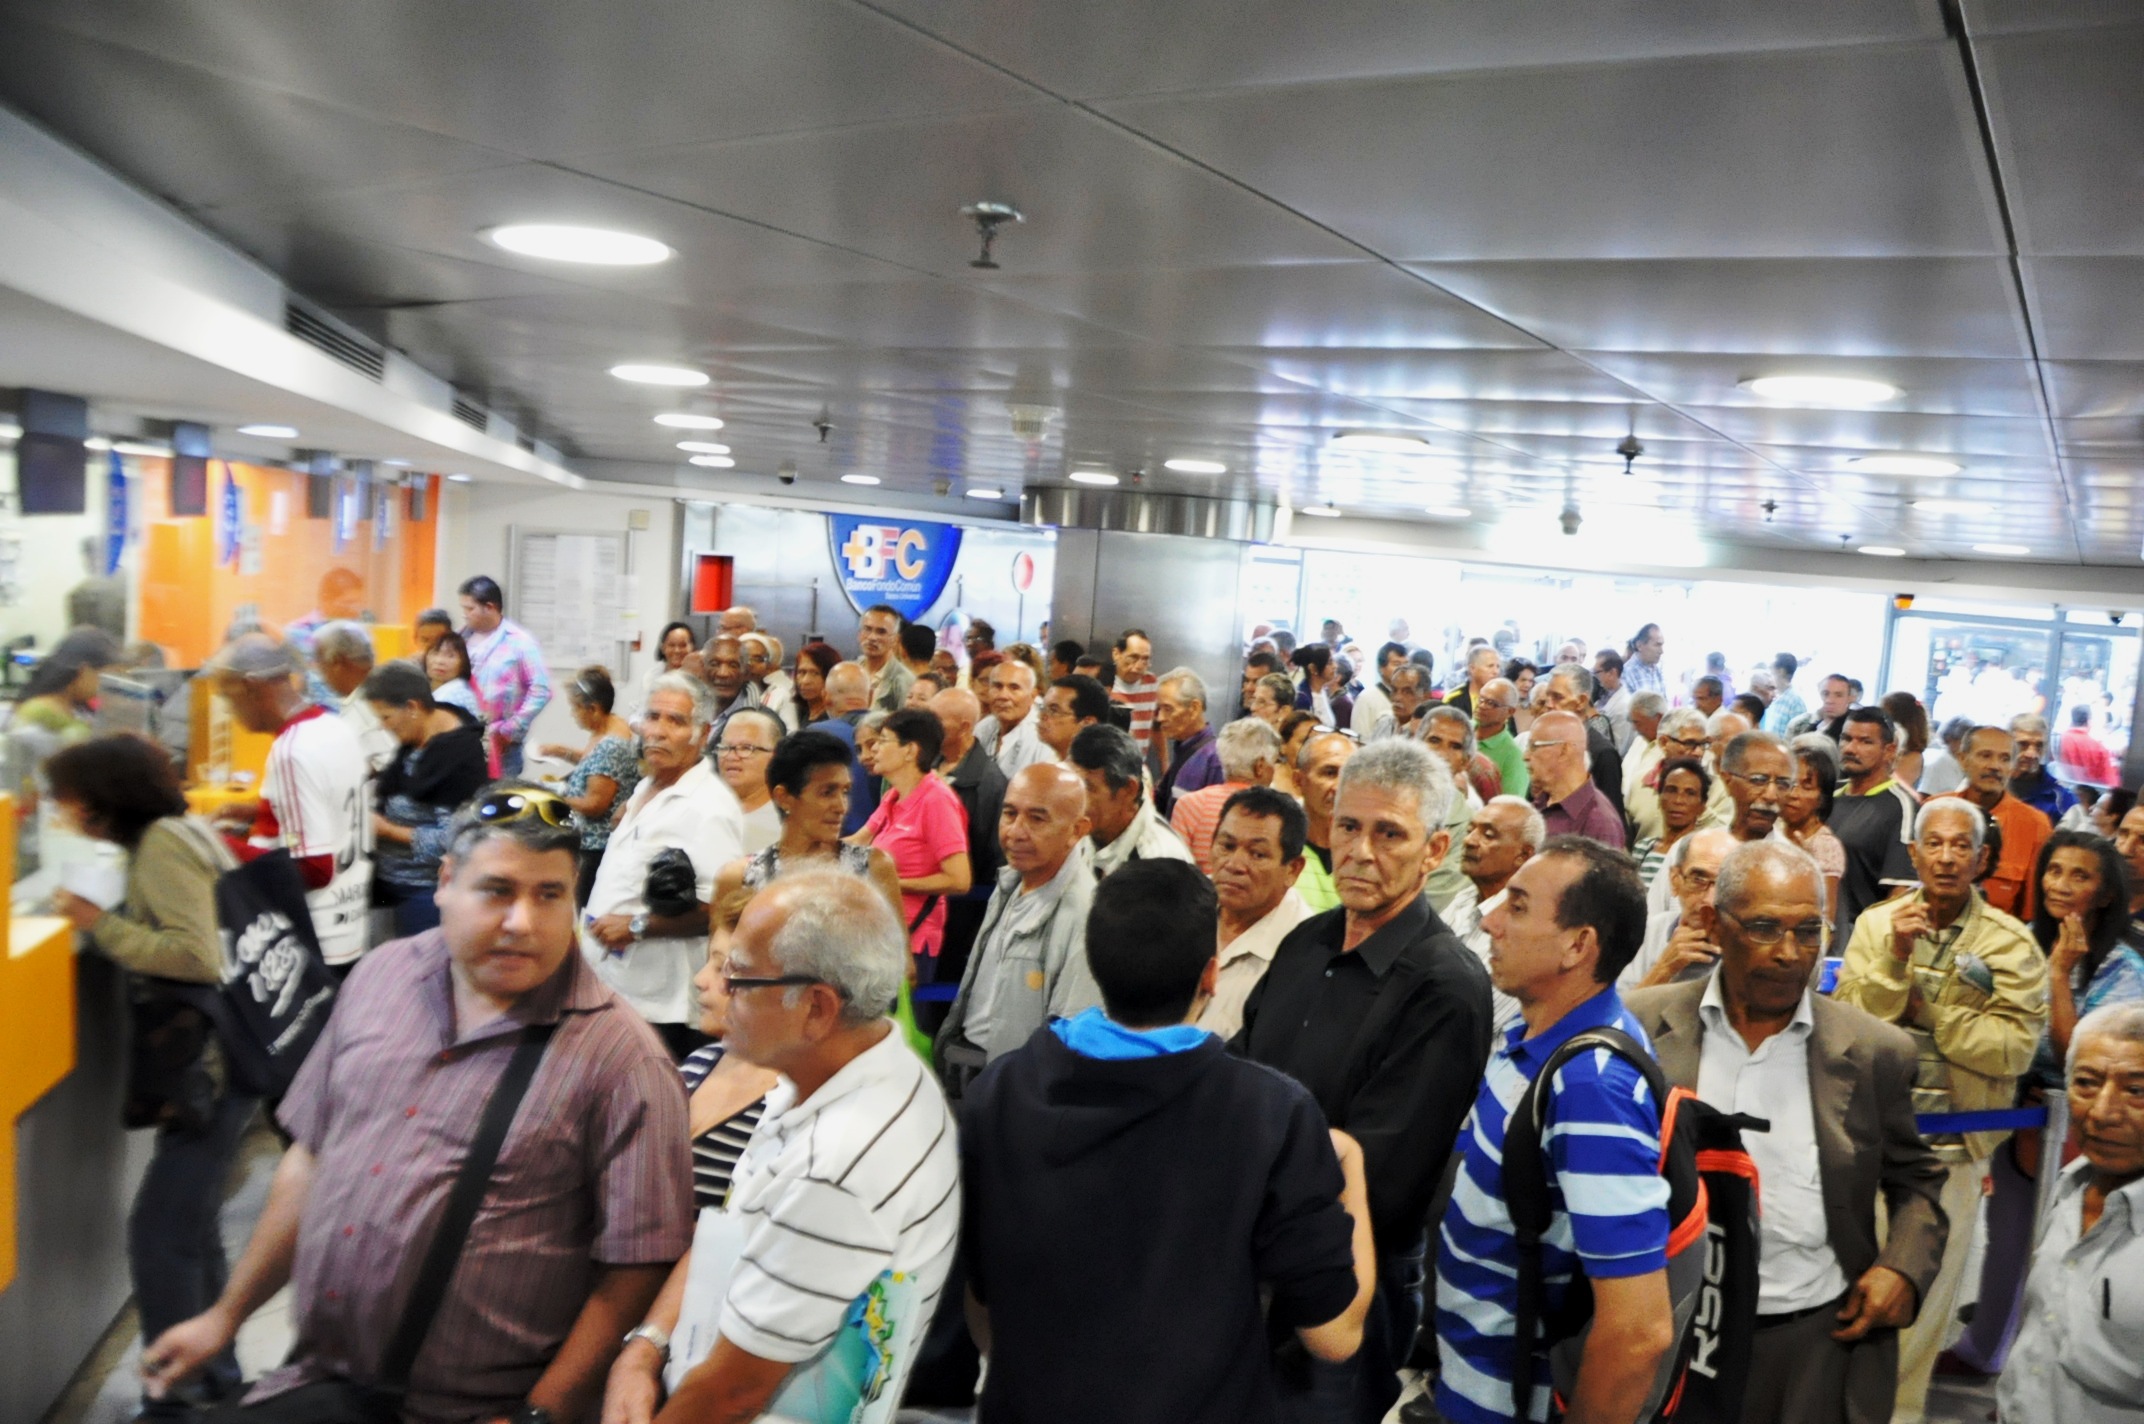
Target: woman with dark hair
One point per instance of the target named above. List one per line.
(676, 644)
(447, 667)
(2081, 919)
(1521, 674)
(1805, 809)
(1684, 787)
(427, 629)
(1750, 705)
(604, 772)
(439, 763)
(57, 698)
(808, 778)
(123, 789)
(814, 662)
(1911, 721)
(920, 823)
(1295, 729)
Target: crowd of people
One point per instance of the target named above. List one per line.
(1047, 1030)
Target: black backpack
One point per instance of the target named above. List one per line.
(1712, 1247)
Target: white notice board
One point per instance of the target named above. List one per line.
(572, 592)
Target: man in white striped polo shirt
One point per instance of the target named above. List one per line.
(847, 1199)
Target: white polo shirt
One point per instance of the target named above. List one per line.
(860, 1179)
(698, 815)
(1244, 961)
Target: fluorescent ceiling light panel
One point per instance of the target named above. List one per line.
(649, 373)
(1883, 551)
(1093, 477)
(2009, 549)
(1195, 467)
(714, 462)
(1381, 442)
(270, 432)
(592, 246)
(986, 494)
(679, 420)
(1809, 390)
(1903, 465)
(702, 447)
(859, 479)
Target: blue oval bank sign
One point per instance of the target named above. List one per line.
(902, 563)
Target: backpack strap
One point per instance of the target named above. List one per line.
(467, 1194)
(1526, 1194)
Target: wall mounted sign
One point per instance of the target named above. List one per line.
(115, 516)
(903, 564)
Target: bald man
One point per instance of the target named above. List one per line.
(1563, 786)
(1495, 704)
(974, 776)
(1029, 964)
(848, 697)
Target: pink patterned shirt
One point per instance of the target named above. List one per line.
(506, 667)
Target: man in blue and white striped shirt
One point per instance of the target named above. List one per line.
(1572, 917)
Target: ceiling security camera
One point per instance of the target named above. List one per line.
(787, 472)
(2115, 616)
(1570, 519)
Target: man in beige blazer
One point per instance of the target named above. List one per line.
(1836, 1085)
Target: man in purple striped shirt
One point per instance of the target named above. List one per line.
(589, 1204)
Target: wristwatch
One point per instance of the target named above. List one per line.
(531, 1414)
(655, 1335)
(638, 925)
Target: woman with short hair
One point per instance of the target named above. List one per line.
(447, 666)
(814, 662)
(440, 761)
(604, 772)
(921, 824)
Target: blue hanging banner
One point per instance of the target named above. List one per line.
(115, 516)
(344, 520)
(227, 531)
(902, 563)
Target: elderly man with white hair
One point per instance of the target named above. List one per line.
(342, 655)
(1384, 1015)
(649, 950)
(1969, 984)
(1679, 941)
(844, 1210)
(736, 622)
(2077, 1359)
(1180, 703)
(1503, 835)
(1249, 750)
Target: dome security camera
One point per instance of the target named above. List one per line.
(1570, 519)
(787, 472)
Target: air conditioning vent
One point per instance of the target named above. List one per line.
(336, 340)
(526, 442)
(469, 413)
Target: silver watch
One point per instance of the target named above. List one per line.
(655, 1335)
(638, 925)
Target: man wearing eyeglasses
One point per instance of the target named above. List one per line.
(1759, 772)
(1494, 706)
(1681, 734)
(1836, 1085)
(1969, 985)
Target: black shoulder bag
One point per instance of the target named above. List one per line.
(381, 1400)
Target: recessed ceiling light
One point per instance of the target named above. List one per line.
(1381, 442)
(1903, 465)
(270, 432)
(460, 478)
(1093, 477)
(859, 479)
(1883, 551)
(679, 420)
(703, 447)
(2012, 549)
(713, 462)
(986, 494)
(1447, 511)
(1951, 506)
(595, 246)
(1822, 390)
(1195, 467)
(396, 464)
(652, 374)
(1322, 511)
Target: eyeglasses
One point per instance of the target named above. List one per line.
(501, 807)
(731, 983)
(741, 749)
(1682, 741)
(1767, 933)
(1765, 783)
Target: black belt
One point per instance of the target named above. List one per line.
(1788, 1317)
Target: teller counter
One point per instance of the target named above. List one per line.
(68, 1170)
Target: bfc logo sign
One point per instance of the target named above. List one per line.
(902, 564)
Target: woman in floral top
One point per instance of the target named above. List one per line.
(604, 772)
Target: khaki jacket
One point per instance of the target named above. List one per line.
(1986, 1038)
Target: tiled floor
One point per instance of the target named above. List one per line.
(107, 1390)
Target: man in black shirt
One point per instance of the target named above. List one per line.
(1872, 815)
(976, 780)
(1384, 1015)
(1152, 1314)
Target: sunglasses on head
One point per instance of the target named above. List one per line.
(499, 807)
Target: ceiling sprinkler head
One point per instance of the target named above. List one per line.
(1630, 448)
(1770, 508)
(824, 426)
(989, 217)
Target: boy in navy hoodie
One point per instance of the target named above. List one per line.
(1131, 1189)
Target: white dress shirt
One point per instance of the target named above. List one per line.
(1463, 916)
(1017, 750)
(1374, 703)
(2079, 1356)
(1244, 961)
(698, 815)
(1796, 1267)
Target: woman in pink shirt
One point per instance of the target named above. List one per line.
(920, 824)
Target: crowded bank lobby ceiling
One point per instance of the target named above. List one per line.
(1851, 275)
